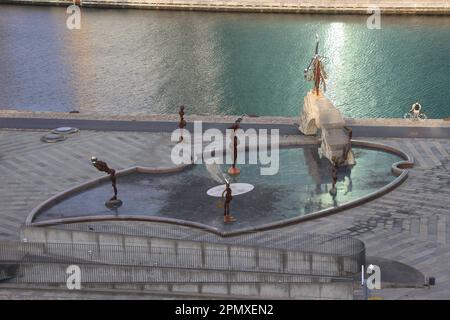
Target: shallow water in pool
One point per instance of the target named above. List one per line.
(301, 187)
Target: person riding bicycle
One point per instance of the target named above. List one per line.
(416, 109)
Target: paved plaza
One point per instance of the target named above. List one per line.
(410, 224)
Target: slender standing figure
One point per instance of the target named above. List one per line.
(234, 171)
(226, 207)
(182, 123)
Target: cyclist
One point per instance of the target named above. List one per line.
(416, 109)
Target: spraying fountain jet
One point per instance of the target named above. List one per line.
(228, 189)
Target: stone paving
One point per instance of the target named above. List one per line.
(410, 224)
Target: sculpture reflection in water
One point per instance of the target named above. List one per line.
(114, 202)
(318, 169)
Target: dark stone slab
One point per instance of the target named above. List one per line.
(397, 274)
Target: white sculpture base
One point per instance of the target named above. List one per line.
(236, 189)
(319, 113)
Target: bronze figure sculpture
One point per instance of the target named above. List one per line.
(315, 70)
(103, 167)
(233, 170)
(182, 123)
(226, 206)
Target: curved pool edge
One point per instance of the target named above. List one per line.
(94, 182)
(398, 168)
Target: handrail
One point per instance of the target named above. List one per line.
(202, 257)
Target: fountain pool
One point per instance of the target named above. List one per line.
(299, 190)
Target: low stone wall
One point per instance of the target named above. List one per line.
(147, 251)
(288, 6)
(172, 266)
(8, 114)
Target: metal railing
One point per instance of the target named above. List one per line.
(47, 263)
(339, 245)
(58, 273)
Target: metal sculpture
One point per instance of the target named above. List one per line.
(226, 206)
(182, 123)
(233, 170)
(114, 202)
(315, 70)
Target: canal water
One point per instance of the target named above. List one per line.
(140, 61)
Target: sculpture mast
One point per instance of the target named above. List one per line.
(315, 70)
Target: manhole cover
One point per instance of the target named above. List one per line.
(65, 130)
(53, 137)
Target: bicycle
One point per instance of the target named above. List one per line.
(413, 116)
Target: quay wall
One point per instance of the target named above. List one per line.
(430, 7)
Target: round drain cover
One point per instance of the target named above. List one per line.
(112, 204)
(65, 130)
(53, 137)
(236, 189)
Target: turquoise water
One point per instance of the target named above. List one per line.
(301, 187)
(124, 61)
